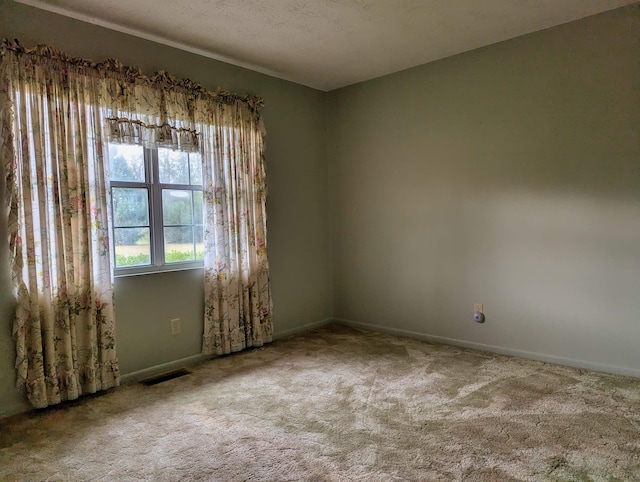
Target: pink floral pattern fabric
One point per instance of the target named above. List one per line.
(51, 139)
(238, 306)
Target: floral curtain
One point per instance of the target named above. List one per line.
(51, 132)
(56, 114)
(237, 291)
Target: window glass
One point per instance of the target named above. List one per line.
(126, 163)
(131, 226)
(157, 206)
(177, 206)
(173, 166)
(130, 206)
(198, 235)
(132, 247)
(197, 207)
(195, 168)
(178, 244)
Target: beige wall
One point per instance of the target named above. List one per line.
(296, 206)
(510, 176)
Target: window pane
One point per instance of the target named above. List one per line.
(197, 207)
(178, 244)
(126, 163)
(130, 206)
(173, 166)
(198, 234)
(176, 207)
(132, 247)
(195, 168)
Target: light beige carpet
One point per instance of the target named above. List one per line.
(339, 404)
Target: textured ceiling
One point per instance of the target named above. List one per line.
(328, 44)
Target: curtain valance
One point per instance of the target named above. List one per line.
(157, 110)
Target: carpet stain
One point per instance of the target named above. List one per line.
(340, 404)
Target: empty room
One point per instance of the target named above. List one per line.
(312, 240)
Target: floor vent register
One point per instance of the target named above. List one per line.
(165, 377)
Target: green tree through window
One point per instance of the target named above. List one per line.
(157, 207)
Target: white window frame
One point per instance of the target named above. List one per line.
(156, 223)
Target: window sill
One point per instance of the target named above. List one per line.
(147, 270)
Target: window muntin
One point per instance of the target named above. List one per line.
(157, 208)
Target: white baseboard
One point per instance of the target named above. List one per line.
(301, 328)
(163, 368)
(633, 372)
(192, 360)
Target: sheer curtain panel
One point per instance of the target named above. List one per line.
(238, 303)
(51, 134)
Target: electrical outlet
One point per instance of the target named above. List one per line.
(175, 326)
(477, 308)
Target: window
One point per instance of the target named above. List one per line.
(156, 197)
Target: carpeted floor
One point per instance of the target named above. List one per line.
(338, 404)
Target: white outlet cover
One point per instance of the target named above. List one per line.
(175, 326)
